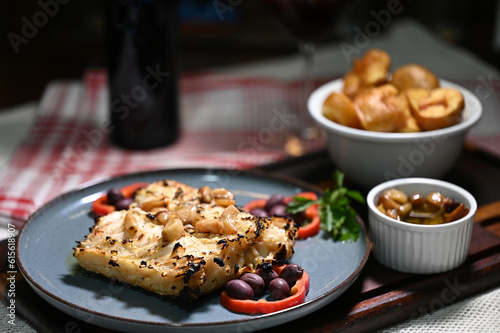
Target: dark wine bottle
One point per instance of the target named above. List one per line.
(143, 72)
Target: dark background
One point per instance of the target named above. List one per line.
(72, 40)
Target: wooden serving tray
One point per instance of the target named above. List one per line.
(380, 297)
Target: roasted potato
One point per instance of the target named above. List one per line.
(368, 72)
(381, 109)
(408, 100)
(436, 108)
(414, 76)
(411, 125)
(340, 109)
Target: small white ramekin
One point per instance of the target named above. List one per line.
(420, 249)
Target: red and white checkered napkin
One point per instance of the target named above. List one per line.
(224, 125)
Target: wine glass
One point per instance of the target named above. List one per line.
(305, 22)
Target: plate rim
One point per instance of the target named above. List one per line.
(40, 290)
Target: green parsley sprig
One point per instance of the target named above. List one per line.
(336, 214)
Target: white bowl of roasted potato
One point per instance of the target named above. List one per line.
(420, 225)
(383, 125)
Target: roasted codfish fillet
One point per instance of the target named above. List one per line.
(183, 242)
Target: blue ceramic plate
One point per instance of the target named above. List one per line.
(45, 247)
